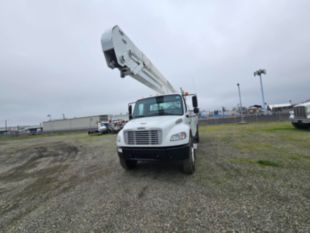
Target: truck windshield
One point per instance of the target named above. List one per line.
(159, 106)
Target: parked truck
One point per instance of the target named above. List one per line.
(300, 116)
(104, 127)
(162, 127)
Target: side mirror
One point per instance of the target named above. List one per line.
(195, 101)
(196, 110)
(130, 112)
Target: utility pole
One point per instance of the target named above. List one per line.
(6, 125)
(240, 105)
(259, 73)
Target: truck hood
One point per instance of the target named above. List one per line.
(306, 104)
(163, 122)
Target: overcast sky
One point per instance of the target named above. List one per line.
(51, 60)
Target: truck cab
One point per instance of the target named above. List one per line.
(300, 116)
(102, 127)
(160, 128)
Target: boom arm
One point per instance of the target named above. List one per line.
(122, 54)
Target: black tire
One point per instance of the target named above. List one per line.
(128, 164)
(197, 139)
(301, 125)
(188, 165)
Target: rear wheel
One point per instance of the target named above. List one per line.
(188, 165)
(128, 164)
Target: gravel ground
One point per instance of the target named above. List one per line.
(74, 183)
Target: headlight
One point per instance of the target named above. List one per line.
(178, 136)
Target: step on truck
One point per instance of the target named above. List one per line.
(162, 127)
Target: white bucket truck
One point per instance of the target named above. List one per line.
(162, 127)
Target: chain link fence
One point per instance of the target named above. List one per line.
(247, 118)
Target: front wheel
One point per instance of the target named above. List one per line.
(188, 165)
(301, 125)
(128, 164)
(197, 136)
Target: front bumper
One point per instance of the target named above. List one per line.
(300, 120)
(154, 153)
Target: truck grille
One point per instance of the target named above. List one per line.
(143, 137)
(300, 111)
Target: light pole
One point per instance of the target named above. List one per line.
(259, 73)
(240, 109)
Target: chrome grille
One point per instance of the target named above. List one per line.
(300, 111)
(143, 137)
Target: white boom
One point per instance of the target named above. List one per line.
(122, 54)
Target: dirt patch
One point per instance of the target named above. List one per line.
(31, 177)
(36, 161)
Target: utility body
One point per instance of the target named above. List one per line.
(162, 127)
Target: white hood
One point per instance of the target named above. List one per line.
(305, 104)
(155, 122)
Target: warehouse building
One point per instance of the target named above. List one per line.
(74, 124)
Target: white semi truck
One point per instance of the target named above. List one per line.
(162, 127)
(300, 116)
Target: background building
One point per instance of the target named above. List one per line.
(87, 123)
(74, 124)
